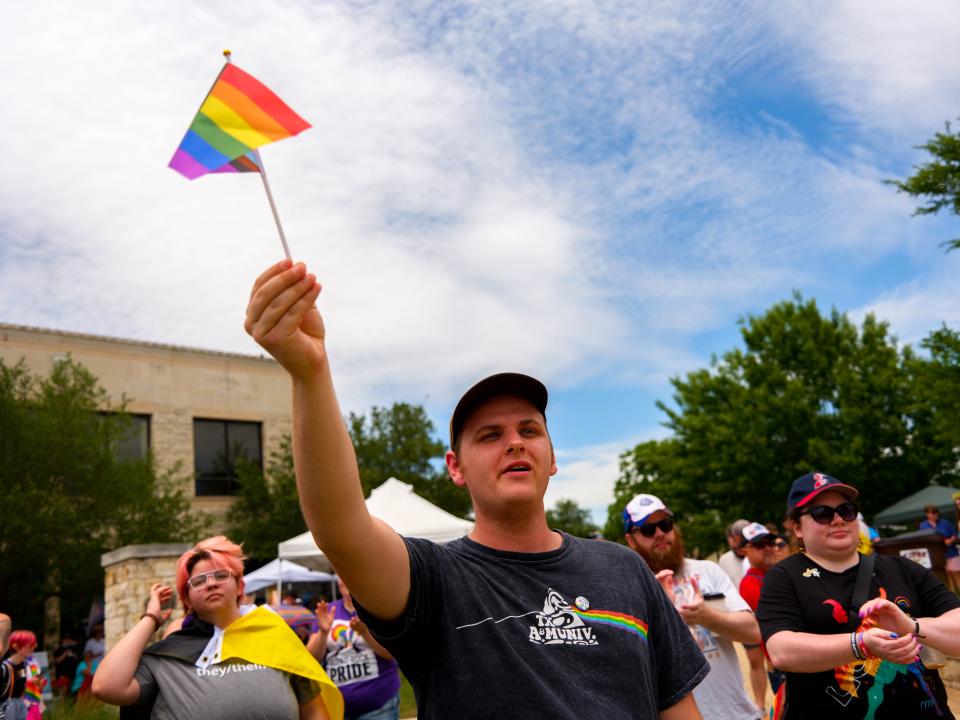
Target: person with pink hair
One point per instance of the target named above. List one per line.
(245, 662)
(20, 672)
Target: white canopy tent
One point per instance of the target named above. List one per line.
(401, 508)
(280, 571)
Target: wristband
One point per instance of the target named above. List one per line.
(854, 646)
(154, 617)
(863, 647)
(916, 629)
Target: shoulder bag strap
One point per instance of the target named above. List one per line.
(864, 575)
(8, 690)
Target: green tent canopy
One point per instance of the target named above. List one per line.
(909, 511)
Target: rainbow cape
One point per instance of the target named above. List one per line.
(239, 115)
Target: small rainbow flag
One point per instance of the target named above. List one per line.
(238, 116)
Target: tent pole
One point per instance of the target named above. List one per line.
(279, 599)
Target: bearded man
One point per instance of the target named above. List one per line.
(707, 601)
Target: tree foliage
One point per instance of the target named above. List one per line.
(399, 442)
(266, 509)
(67, 498)
(937, 181)
(807, 391)
(567, 515)
(391, 442)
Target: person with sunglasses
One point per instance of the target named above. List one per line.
(707, 601)
(842, 661)
(228, 660)
(762, 548)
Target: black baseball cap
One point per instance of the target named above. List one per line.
(524, 386)
(806, 488)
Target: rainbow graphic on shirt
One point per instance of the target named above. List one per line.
(883, 672)
(342, 634)
(616, 619)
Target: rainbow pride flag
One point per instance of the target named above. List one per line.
(239, 115)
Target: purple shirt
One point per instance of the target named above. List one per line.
(366, 680)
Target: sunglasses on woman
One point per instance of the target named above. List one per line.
(648, 531)
(200, 579)
(823, 514)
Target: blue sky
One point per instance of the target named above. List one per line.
(592, 193)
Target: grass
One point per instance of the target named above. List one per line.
(88, 709)
(408, 705)
(93, 710)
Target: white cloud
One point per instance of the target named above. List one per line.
(884, 64)
(485, 186)
(917, 308)
(587, 474)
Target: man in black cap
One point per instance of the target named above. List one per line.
(515, 620)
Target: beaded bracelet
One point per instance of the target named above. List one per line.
(154, 617)
(855, 646)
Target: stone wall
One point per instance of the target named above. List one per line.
(128, 574)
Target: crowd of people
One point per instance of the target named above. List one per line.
(23, 680)
(517, 620)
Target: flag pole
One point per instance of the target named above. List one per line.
(266, 187)
(273, 206)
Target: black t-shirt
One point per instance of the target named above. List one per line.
(584, 631)
(801, 596)
(71, 658)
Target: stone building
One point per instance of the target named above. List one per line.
(195, 408)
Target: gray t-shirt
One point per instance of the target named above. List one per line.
(584, 631)
(227, 691)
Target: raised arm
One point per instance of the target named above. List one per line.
(368, 554)
(6, 626)
(114, 682)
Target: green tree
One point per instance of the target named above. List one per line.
(67, 498)
(935, 430)
(399, 442)
(937, 181)
(567, 515)
(266, 510)
(392, 442)
(807, 391)
(641, 470)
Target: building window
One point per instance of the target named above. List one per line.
(218, 447)
(134, 440)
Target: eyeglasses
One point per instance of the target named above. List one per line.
(199, 580)
(769, 542)
(665, 525)
(823, 514)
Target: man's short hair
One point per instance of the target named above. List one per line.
(517, 384)
(736, 527)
